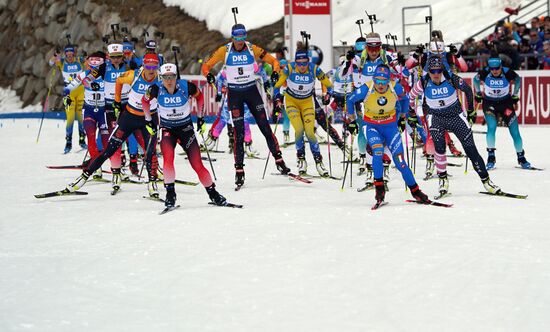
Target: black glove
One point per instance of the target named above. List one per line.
(401, 124)
(478, 97)
(201, 125)
(515, 99)
(218, 97)
(94, 86)
(350, 55)
(419, 50)
(452, 49)
(351, 127)
(276, 112)
(412, 120)
(274, 77)
(67, 101)
(472, 116)
(117, 107)
(400, 59)
(210, 78)
(326, 99)
(151, 127)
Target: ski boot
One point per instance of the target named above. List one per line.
(454, 151)
(369, 182)
(79, 182)
(170, 199)
(430, 166)
(418, 194)
(152, 188)
(117, 179)
(98, 174)
(522, 161)
(133, 164)
(281, 166)
(320, 166)
(386, 174)
(380, 190)
(443, 184)
(215, 196)
(209, 142)
(249, 150)
(286, 137)
(491, 159)
(302, 165)
(362, 163)
(239, 175)
(68, 144)
(82, 141)
(490, 186)
(122, 159)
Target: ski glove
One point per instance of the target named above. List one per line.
(151, 127)
(326, 99)
(412, 121)
(515, 99)
(210, 78)
(401, 124)
(452, 49)
(201, 125)
(478, 97)
(94, 86)
(352, 127)
(117, 107)
(67, 101)
(218, 97)
(274, 77)
(472, 115)
(350, 55)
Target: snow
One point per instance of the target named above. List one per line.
(298, 257)
(10, 102)
(457, 22)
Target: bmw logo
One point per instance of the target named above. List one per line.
(382, 101)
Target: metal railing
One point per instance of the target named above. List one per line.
(541, 3)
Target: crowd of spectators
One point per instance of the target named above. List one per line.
(521, 46)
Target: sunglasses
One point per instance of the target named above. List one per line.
(169, 77)
(116, 57)
(380, 81)
(436, 71)
(373, 47)
(494, 68)
(302, 63)
(151, 67)
(240, 38)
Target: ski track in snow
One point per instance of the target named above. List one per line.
(298, 257)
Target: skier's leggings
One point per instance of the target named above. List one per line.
(184, 136)
(74, 111)
(94, 120)
(321, 118)
(379, 135)
(506, 110)
(236, 100)
(458, 125)
(129, 123)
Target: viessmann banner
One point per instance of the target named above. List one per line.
(534, 105)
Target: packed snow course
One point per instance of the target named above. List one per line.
(297, 257)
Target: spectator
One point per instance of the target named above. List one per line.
(546, 60)
(528, 62)
(536, 40)
(535, 23)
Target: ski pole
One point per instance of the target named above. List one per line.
(208, 155)
(351, 161)
(46, 102)
(328, 142)
(235, 11)
(145, 155)
(269, 153)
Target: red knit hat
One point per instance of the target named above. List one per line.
(151, 59)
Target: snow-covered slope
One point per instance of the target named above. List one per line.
(298, 257)
(456, 20)
(10, 102)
